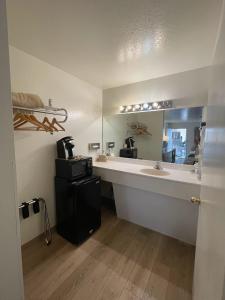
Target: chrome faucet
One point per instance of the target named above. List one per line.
(158, 166)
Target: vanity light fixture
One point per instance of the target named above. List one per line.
(148, 106)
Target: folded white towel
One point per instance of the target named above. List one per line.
(27, 100)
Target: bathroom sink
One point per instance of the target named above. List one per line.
(154, 172)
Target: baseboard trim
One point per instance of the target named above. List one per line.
(40, 238)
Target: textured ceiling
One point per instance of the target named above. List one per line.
(115, 42)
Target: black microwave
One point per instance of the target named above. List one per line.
(74, 168)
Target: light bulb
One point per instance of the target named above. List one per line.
(145, 105)
(155, 105)
(122, 108)
(137, 106)
(129, 108)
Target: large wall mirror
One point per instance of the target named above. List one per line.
(171, 135)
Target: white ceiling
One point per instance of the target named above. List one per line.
(114, 42)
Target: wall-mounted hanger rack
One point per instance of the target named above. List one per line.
(25, 116)
(50, 110)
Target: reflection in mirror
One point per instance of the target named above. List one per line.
(169, 135)
(181, 136)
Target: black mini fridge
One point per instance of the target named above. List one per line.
(78, 207)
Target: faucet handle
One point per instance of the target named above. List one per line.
(158, 165)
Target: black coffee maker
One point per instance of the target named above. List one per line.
(130, 142)
(65, 148)
(130, 151)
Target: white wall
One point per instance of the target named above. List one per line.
(35, 151)
(11, 285)
(188, 88)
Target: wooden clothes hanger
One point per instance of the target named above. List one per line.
(22, 119)
(52, 124)
(18, 118)
(49, 124)
(55, 122)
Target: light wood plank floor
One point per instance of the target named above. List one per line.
(120, 261)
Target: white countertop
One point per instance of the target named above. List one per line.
(183, 175)
(160, 203)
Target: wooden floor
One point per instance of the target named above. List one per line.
(120, 261)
